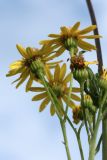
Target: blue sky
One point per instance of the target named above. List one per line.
(26, 134)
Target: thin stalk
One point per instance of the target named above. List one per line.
(90, 125)
(69, 95)
(104, 144)
(71, 52)
(80, 147)
(92, 150)
(98, 145)
(65, 139)
(93, 141)
(84, 114)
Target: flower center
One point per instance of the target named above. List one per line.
(58, 89)
(77, 62)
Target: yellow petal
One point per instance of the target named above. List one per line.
(75, 89)
(56, 73)
(48, 74)
(44, 104)
(86, 44)
(64, 30)
(52, 110)
(16, 65)
(39, 96)
(90, 36)
(37, 89)
(86, 30)
(62, 72)
(75, 27)
(69, 102)
(58, 53)
(29, 83)
(67, 78)
(93, 62)
(81, 45)
(29, 52)
(54, 35)
(14, 72)
(54, 63)
(23, 77)
(75, 97)
(49, 42)
(22, 51)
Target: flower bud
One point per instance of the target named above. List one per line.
(77, 114)
(103, 83)
(88, 103)
(80, 75)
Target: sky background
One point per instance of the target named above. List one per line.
(26, 134)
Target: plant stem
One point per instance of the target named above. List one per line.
(82, 105)
(80, 147)
(94, 137)
(104, 135)
(65, 139)
(93, 142)
(69, 95)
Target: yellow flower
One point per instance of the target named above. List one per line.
(73, 33)
(22, 66)
(59, 84)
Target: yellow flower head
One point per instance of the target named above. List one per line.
(22, 66)
(73, 33)
(59, 84)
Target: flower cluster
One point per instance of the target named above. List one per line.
(55, 86)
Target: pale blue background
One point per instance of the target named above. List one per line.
(26, 134)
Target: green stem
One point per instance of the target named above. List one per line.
(69, 95)
(77, 136)
(65, 139)
(93, 142)
(99, 144)
(104, 135)
(94, 137)
(80, 147)
(82, 105)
